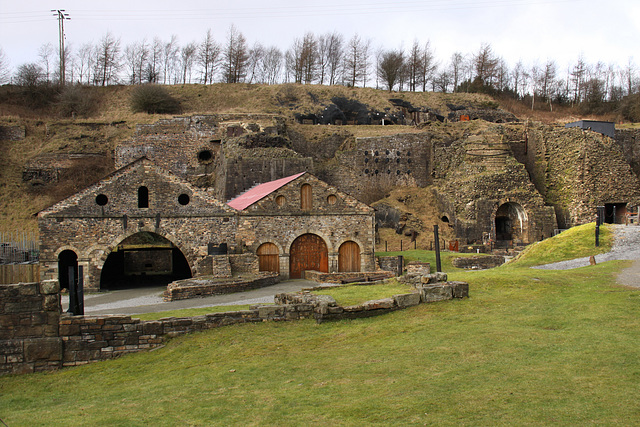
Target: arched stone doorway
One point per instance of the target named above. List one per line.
(511, 222)
(144, 259)
(70, 277)
(308, 252)
(349, 257)
(268, 257)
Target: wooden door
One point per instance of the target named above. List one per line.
(308, 252)
(268, 257)
(349, 257)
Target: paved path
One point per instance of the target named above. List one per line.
(149, 299)
(626, 246)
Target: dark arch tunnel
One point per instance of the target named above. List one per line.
(144, 259)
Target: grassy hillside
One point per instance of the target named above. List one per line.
(529, 347)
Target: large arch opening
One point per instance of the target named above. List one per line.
(308, 252)
(144, 259)
(510, 222)
(349, 257)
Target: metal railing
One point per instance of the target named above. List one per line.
(19, 248)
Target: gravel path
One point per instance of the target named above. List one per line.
(625, 246)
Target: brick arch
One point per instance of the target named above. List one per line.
(510, 221)
(106, 250)
(327, 240)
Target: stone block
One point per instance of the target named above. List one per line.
(28, 289)
(270, 311)
(43, 349)
(384, 303)
(460, 289)
(153, 328)
(407, 300)
(436, 292)
(51, 302)
(49, 287)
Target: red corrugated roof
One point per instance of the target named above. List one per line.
(259, 192)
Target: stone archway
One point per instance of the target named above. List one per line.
(308, 252)
(143, 259)
(511, 223)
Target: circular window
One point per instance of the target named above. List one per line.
(205, 156)
(183, 199)
(366, 171)
(332, 199)
(102, 200)
(366, 160)
(280, 200)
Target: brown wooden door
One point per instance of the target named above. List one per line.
(349, 257)
(308, 252)
(268, 259)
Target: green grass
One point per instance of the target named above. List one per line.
(190, 312)
(357, 294)
(529, 347)
(577, 242)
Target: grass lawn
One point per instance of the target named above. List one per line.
(529, 347)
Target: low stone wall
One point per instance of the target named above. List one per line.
(478, 262)
(204, 287)
(29, 316)
(395, 264)
(34, 336)
(350, 277)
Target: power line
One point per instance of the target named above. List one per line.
(62, 16)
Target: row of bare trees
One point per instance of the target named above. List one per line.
(326, 59)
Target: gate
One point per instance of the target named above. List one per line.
(268, 258)
(349, 257)
(308, 252)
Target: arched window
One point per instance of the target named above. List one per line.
(143, 197)
(306, 199)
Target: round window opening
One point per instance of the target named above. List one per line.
(280, 200)
(205, 156)
(101, 200)
(184, 199)
(332, 199)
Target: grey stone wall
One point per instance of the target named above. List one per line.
(29, 316)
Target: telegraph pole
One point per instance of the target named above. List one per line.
(62, 16)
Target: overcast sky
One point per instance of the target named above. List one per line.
(527, 30)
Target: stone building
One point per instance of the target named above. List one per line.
(139, 221)
(143, 223)
(300, 223)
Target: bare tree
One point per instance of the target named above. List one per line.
(170, 52)
(356, 61)
(152, 70)
(442, 81)
(30, 75)
(329, 57)
(236, 56)
(578, 73)
(84, 62)
(456, 66)
(390, 66)
(107, 59)
(485, 64)
(187, 56)
(271, 65)
(428, 65)
(46, 53)
(519, 78)
(208, 57)
(254, 65)
(135, 59)
(4, 67)
(302, 59)
(629, 77)
(413, 64)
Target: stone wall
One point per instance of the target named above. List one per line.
(12, 133)
(373, 166)
(577, 170)
(29, 317)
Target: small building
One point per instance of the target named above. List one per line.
(605, 128)
(301, 223)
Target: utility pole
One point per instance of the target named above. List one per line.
(62, 16)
